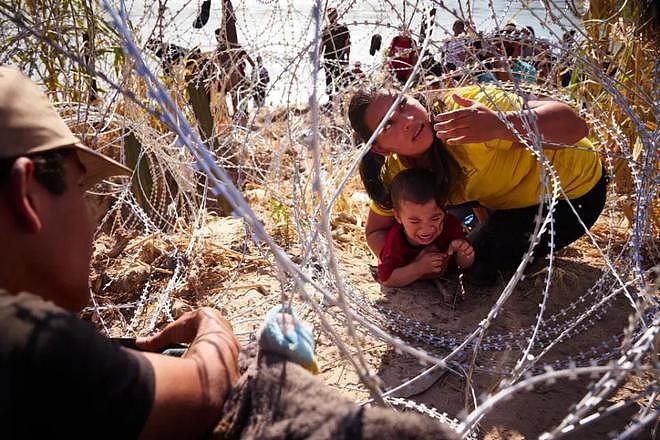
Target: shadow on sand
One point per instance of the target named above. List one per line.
(529, 413)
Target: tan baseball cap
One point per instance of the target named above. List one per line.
(30, 124)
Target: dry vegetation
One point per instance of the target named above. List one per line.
(162, 248)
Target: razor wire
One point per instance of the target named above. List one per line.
(317, 284)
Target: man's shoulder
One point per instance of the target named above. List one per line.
(49, 352)
(15, 304)
(22, 313)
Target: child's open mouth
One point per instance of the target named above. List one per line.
(424, 239)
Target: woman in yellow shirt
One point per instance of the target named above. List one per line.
(477, 157)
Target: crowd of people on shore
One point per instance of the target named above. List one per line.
(512, 53)
(224, 68)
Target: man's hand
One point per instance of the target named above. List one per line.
(463, 250)
(194, 387)
(187, 328)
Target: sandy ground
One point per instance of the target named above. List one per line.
(244, 286)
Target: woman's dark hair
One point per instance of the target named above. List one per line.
(371, 163)
(49, 169)
(441, 163)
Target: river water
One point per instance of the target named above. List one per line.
(282, 31)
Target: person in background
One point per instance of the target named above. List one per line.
(170, 54)
(230, 61)
(566, 53)
(484, 72)
(336, 49)
(402, 55)
(513, 68)
(536, 52)
(528, 44)
(510, 26)
(261, 80)
(456, 49)
(458, 28)
(356, 74)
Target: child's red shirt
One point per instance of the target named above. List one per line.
(398, 252)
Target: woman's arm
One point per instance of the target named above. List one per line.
(557, 123)
(376, 230)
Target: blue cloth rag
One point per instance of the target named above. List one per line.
(283, 333)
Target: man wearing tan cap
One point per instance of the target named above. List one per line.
(58, 376)
(60, 379)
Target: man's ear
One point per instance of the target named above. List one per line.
(24, 195)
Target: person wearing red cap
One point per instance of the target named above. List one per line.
(47, 354)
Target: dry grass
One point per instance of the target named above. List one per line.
(134, 264)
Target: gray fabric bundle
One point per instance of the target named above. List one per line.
(278, 399)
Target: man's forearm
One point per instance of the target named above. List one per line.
(214, 352)
(194, 387)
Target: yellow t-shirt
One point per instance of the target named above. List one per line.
(501, 177)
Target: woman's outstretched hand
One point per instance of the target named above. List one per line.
(472, 123)
(556, 123)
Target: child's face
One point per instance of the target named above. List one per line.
(422, 223)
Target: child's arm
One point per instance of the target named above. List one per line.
(464, 252)
(427, 262)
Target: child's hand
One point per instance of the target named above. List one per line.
(460, 247)
(430, 261)
(463, 250)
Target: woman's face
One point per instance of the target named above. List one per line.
(408, 131)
